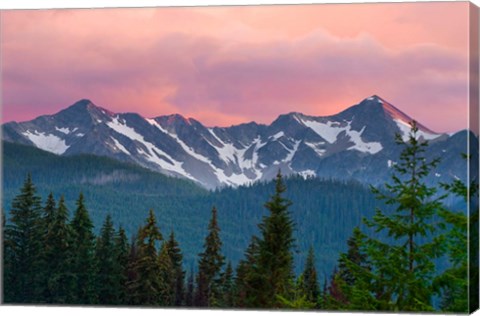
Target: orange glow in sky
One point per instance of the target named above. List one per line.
(228, 65)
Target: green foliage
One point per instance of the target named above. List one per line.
(126, 191)
(299, 303)
(83, 256)
(227, 291)
(58, 253)
(167, 275)
(190, 288)
(402, 266)
(453, 283)
(351, 286)
(273, 271)
(121, 255)
(23, 235)
(209, 266)
(245, 276)
(145, 287)
(176, 258)
(109, 276)
(132, 276)
(309, 287)
(391, 268)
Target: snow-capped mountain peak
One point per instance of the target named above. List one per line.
(215, 156)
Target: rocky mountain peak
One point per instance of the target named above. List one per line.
(349, 143)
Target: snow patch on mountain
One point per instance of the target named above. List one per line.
(48, 142)
(330, 131)
(276, 136)
(360, 145)
(292, 152)
(405, 129)
(226, 152)
(154, 154)
(119, 146)
(319, 151)
(189, 150)
(65, 130)
(307, 173)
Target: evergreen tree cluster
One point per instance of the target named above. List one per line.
(126, 192)
(51, 257)
(400, 272)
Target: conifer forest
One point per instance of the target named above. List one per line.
(409, 254)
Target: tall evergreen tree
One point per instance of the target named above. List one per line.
(23, 236)
(402, 267)
(335, 297)
(355, 255)
(58, 255)
(274, 264)
(121, 253)
(227, 287)
(167, 276)
(146, 286)
(109, 272)
(351, 285)
(176, 258)
(453, 284)
(83, 257)
(7, 264)
(49, 214)
(245, 276)
(47, 220)
(131, 283)
(309, 285)
(210, 265)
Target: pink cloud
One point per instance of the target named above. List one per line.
(230, 65)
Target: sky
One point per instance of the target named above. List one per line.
(228, 65)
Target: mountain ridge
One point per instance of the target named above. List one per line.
(294, 143)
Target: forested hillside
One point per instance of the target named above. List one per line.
(127, 193)
(252, 254)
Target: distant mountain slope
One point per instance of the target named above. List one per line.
(356, 143)
(325, 211)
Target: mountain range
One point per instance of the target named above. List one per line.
(357, 143)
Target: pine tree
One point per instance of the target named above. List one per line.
(176, 258)
(167, 274)
(335, 297)
(298, 298)
(83, 257)
(146, 286)
(58, 255)
(274, 263)
(309, 283)
(7, 264)
(402, 267)
(23, 236)
(355, 255)
(109, 271)
(350, 287)
(227, 287)
(132, 275)
(121, 253)
(47, 220)
(245, 275)
(209, 266)
(453, 284)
